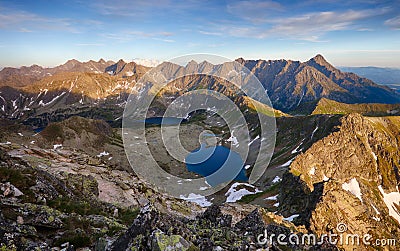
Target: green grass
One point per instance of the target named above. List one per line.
(21, 179)
(52, 132)
(67, 205)
(127, 216)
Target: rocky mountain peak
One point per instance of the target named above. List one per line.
(191, 62)
(320, 60)
(121, 61)
(72, 62)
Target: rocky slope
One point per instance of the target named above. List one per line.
(61, 189)
(350, 177)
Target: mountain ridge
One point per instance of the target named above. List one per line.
(290, 83)
(26, 75)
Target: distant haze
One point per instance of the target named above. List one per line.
(376, 74)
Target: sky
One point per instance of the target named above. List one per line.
(346, 33)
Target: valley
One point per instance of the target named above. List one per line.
(67, 180)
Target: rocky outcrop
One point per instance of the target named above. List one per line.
(345, 179)
(212, 230)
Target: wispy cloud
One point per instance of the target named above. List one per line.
(89, 44)
(128, 8)
(255, 11)
(24, 21)
(164, 40)
(143, 9)
(309, 27)
(393, 23)
(313, 25)
(125, 36)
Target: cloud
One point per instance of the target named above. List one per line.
(128, 8)
(313, 25)
(308, 27)
(23, 21)
(143, 9)
(254, 11)
(125, 36)
(213, 33)
(89, 44)
(164, 40)
(393, 23)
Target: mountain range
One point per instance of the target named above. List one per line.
(41, 95)
(385, 76)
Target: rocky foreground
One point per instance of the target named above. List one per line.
(61, 199)
(70, 187)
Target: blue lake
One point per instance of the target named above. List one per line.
(208, 160)
(39, 129)
(164, 121)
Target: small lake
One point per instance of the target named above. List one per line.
(164, 121)
(38, 130)
(207, 160)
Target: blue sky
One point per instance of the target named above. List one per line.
(347, 33)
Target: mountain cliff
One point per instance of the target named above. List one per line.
(349, 177)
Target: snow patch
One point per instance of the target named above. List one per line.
(197, 198)
(376, 210)
(298, 148)
(276, 179)
(312, 171)
(315, 130)
(233, 139)
(129, 74)
(353, 187)
(275, 197)
(54, 99)
(374, 155)
(103, 154)
(258, 136)
(56, 146)
(391, 200)
(234, 194)
(287, 163)
(20, 134)
(291, 218)
(325, 178)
